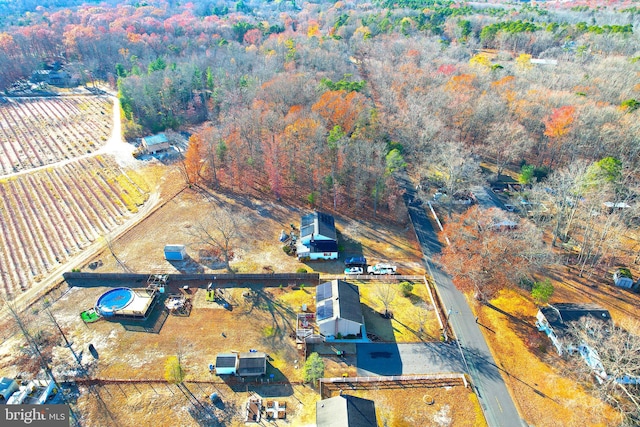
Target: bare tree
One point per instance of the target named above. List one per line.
(386, 293)
(507, 142)
(614, 363)
(456, 169)
(218, 230)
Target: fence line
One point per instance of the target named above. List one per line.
(368, 381)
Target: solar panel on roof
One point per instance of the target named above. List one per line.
(306, 230)
(325, 310)
(307, 220)
(323, 291)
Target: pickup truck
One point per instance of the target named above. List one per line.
(381, 269)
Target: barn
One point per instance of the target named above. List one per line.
(175, 252)
(338, 309)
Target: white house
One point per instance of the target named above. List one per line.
(554, 321)
(175, 252)
(338, 309)
(318, 237)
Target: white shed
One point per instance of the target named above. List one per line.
(175, 252)
(226, 364)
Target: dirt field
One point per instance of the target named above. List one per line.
(258, 248)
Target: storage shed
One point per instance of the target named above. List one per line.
(8, 386)
(226, 363)
(252, 364)
(175, 252)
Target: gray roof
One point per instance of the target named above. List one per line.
(561, 314)
(346, 411)
(349, 300)
(344, 295)
(252, 363)
(318, 223)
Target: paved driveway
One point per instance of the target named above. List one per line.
(383, 359)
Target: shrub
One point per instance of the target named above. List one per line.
(269, 331)
(542, 291)
(287, 249)
(301, 270)
(406, 288)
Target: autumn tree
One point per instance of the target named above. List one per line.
(490, 250)
(341, 108)
(557, 127)
(173, 370)
(193, 160)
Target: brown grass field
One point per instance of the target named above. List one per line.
(128, 385)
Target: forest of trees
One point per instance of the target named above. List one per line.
(321, 102)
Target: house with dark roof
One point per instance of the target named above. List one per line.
(338, 309)
(252, 364)
(554, 321)
(346, 411)
(318, 238)
(226, 363)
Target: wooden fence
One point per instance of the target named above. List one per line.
(329, 385)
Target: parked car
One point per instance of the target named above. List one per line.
(381, 268)
(355, 261)
(352, 271)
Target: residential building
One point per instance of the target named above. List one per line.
(338, 309)
(318, 238)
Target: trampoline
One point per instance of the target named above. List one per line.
(114, 300)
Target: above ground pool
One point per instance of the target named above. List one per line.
(114, 300)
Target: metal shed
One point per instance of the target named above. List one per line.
(175, 252)
(253, 363)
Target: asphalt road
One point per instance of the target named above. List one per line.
(386, 359)
(497, 404)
